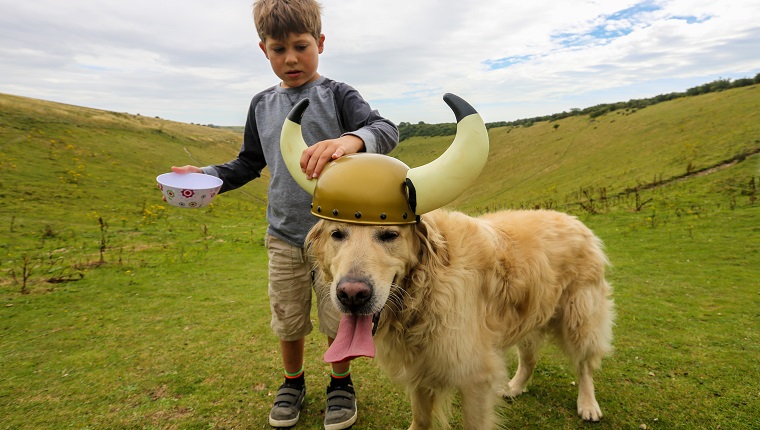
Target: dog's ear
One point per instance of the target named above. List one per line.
(433, 249)
(315, 252)
(315, 241)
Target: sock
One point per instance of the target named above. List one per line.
(337, 380)
(295, 378)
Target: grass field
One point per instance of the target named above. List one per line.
(118, 311)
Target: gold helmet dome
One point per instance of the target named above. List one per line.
(363, 189)
(367, 188)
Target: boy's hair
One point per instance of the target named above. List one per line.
(278, 18)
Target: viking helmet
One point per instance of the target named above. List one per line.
(367, 188)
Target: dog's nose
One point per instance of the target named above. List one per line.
(354, 293)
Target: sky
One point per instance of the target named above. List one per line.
(198, 61)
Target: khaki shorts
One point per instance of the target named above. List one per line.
(290, 290)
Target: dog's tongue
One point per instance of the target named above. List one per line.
(354, 339)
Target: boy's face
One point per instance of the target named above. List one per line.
(295, 59)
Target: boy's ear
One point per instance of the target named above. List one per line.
(321, 43)
(264, 49)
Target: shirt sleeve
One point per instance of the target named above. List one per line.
(379, 134)
(249, 162)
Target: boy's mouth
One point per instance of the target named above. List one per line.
(293, 73)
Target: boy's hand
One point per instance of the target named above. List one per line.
(183, 170)
(315, 157)
(186, 169)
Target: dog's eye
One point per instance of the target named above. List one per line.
(387, 235)
(338, 235)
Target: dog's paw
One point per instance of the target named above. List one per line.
(589, 411)
(508, 391)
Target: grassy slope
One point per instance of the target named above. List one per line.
(543, 164)
(172, 331)
(65, 166)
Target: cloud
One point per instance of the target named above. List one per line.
(197, 61)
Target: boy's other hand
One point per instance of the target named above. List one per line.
(315, 157)
(186, 169)
(183, 170)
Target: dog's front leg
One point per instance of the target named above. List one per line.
(478, 406)
(423, 402)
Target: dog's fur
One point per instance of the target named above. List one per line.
(456, 292)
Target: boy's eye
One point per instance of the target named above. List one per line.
(278, 50)
(302, 47)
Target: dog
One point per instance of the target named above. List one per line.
(453, 293)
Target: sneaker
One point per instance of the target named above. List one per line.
(341, 408)
(287, 405)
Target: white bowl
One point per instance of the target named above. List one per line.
(189, 190)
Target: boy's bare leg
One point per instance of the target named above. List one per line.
(292, 354)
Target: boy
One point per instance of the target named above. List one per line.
(340, 122)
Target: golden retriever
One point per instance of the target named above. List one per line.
(456, 292)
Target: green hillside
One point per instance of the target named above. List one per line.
(549, 163)
(64, 166)
(53, 154)
(120, 311)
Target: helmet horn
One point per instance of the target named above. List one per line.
(292, 146)
(439, 182)
(422, 189)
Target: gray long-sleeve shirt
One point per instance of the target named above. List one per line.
(334, 109)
